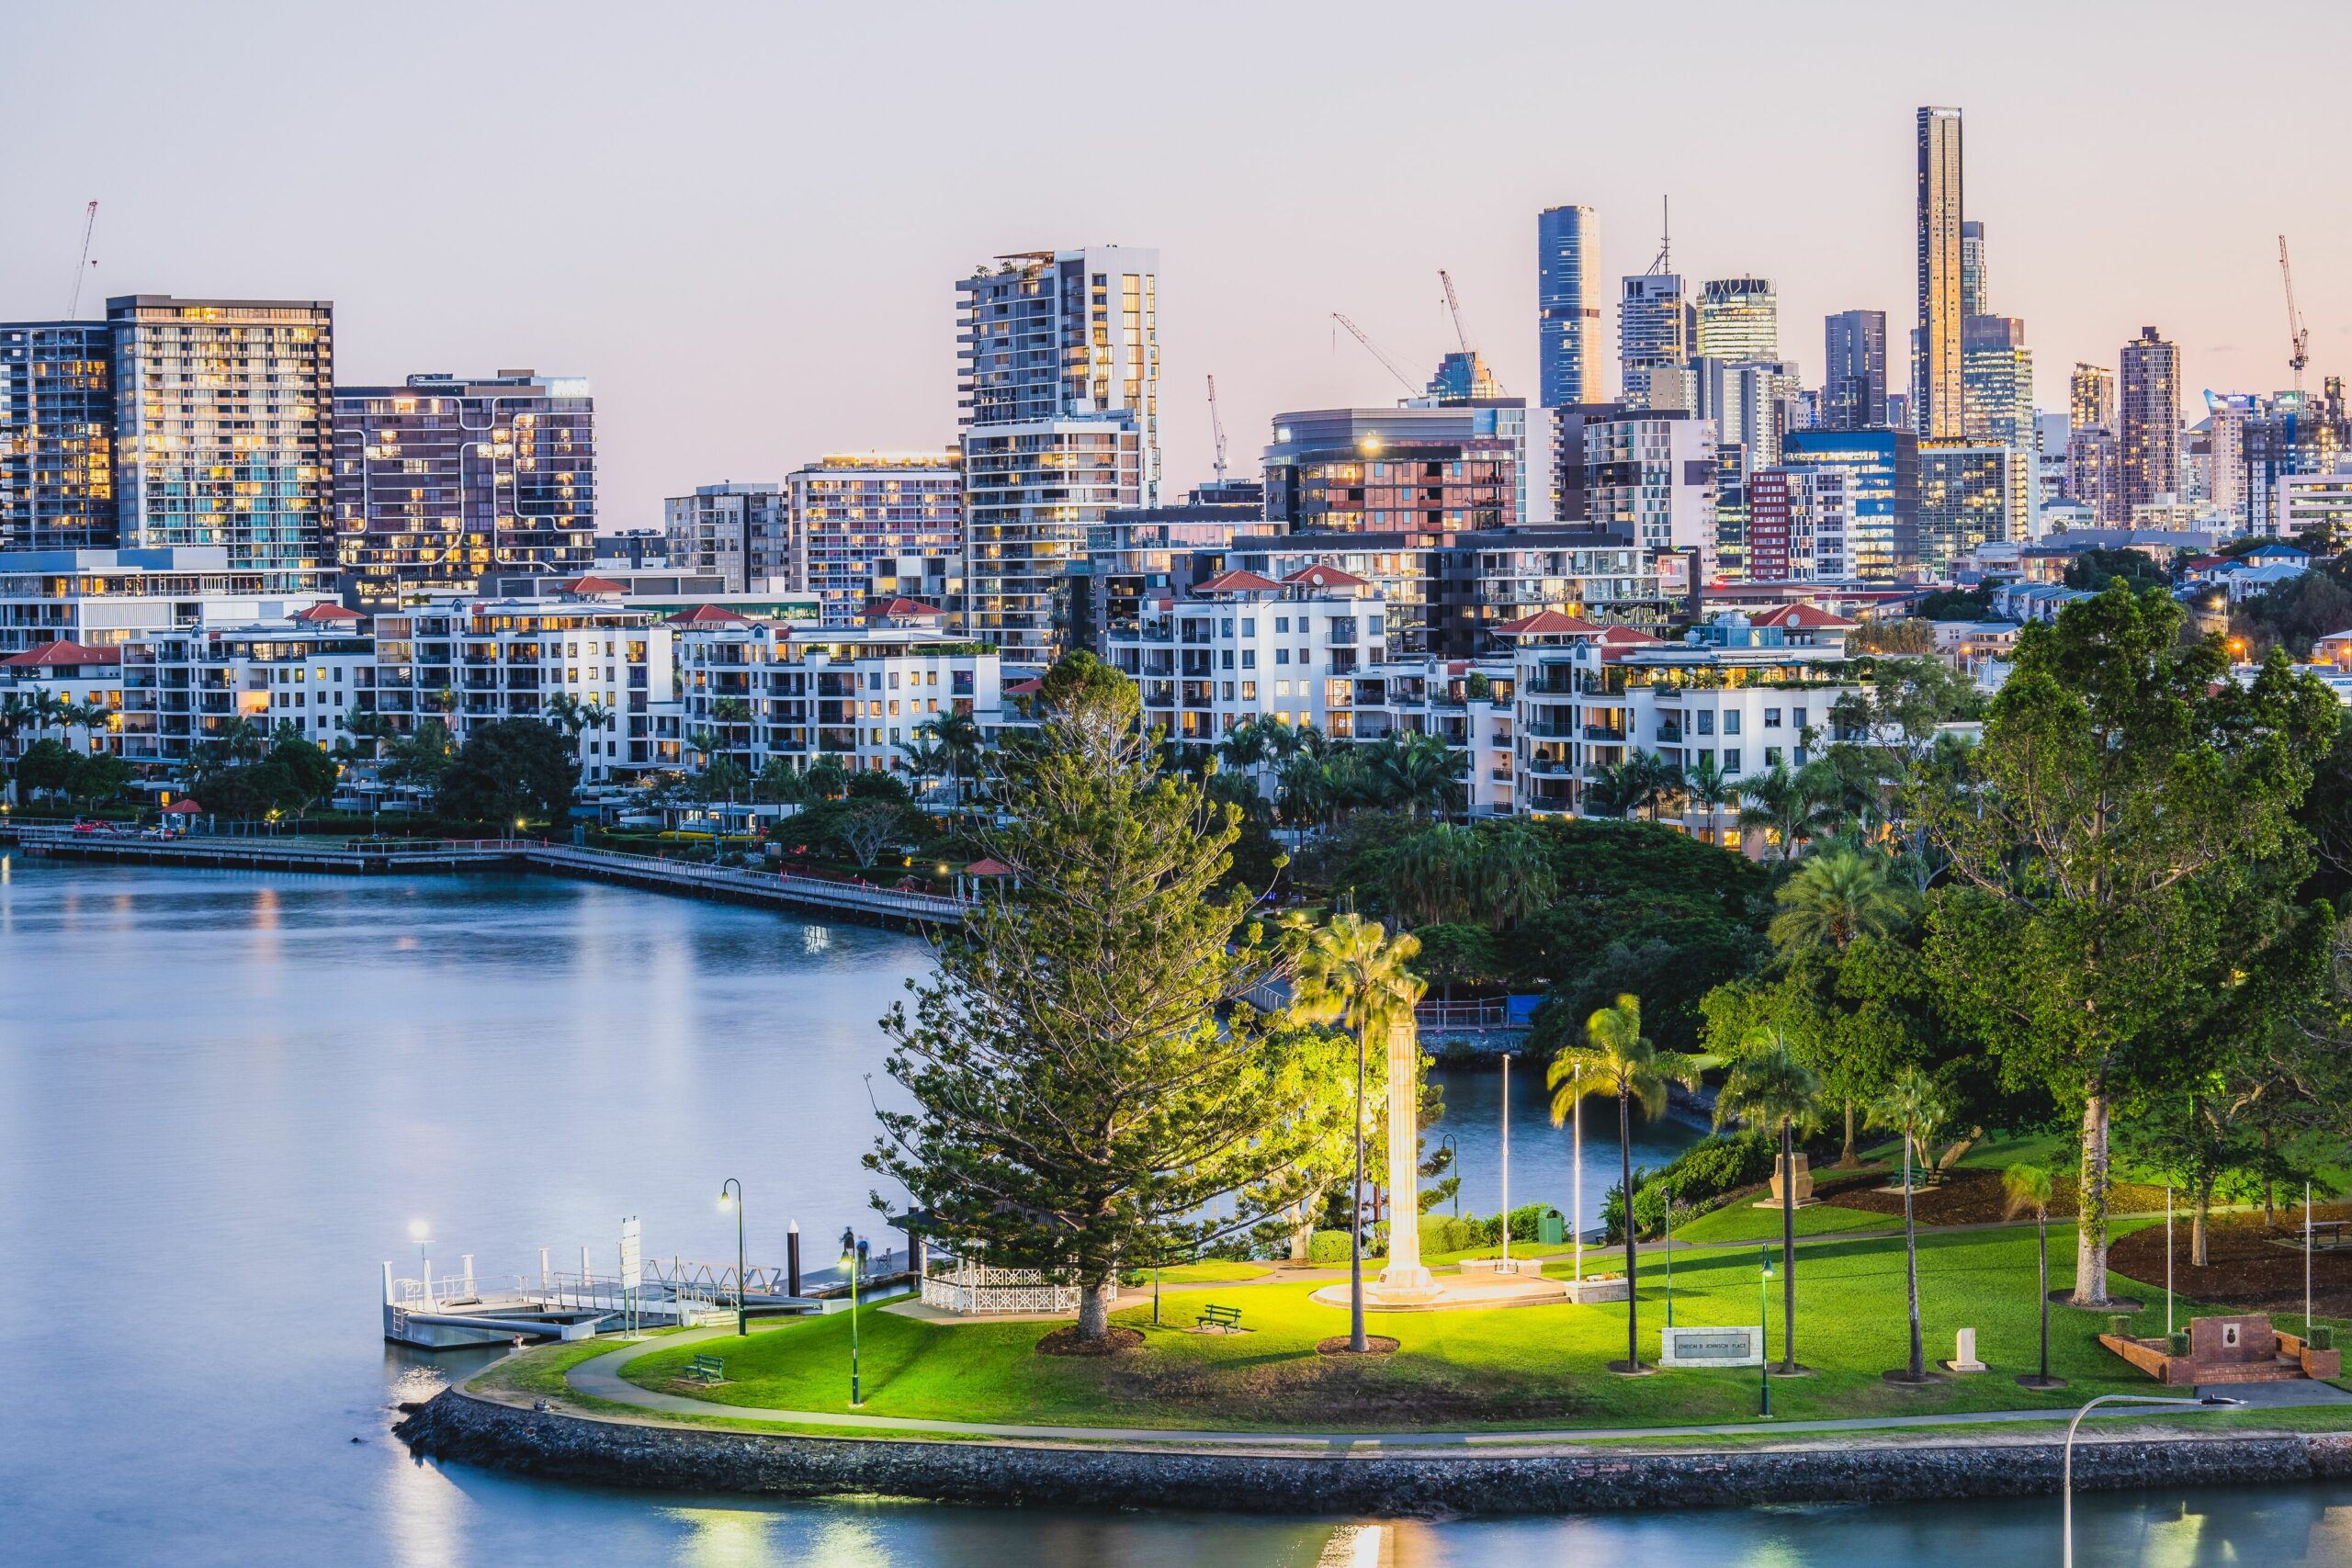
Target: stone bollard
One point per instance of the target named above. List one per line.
(1963, 1353)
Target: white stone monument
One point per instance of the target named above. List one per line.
(1963, 1353)
(1404, 1280)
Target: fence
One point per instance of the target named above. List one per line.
(975, 1289)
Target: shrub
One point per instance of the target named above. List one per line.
(1327, 1246)
(2322, 1336)
(2177, 1342)
(1716, 1165)
(2120, 1325)
(1443, 1232)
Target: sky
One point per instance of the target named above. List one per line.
(744, 221)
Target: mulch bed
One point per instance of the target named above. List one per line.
(1974, 1197)
(1338, 1345)
(2247, 1266)
(1066, 1342)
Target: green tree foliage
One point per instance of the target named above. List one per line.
(2293, 615)
(2119, 848)
(420, 758)
(1077, 1103)
(1955, 605)
(1909, 636)
(2093, 570)
(509, 768)
(1501, 874)
(1838, 896)
(1913, 1107)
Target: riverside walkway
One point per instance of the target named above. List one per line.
(385, 856)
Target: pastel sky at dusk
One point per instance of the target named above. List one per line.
(743, 222)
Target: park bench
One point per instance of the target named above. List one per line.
(708, 1368)
(1225, 1317)
(2326, 1233)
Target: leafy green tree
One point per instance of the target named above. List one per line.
(1914, 1106)
(2095, 571)
(1076, 1101)
(1418, 773)
(778, 781)
(420, 758)
(2026, 1189)
(723, 779)
(1618, 1059)
(510, 770)
(864, 830)
(2116, 847)
(301, 775)
(1354, 974)
(827, 779)
(46, 768)
(1771, 1086)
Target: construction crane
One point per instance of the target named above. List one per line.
(1373, 348)
(81, 267)
(1454, 305)
(2299, 336)
(1216, 429)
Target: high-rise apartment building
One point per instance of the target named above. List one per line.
(1883, 494)
(2093, 474)
(1971, 492)
(1853, 387)
(1058, 380)
(57, 434)
(1567, 306)
(739, 531)
(444, 480)
(1740, 321)
(1935, 387)
(2149, 438)
(1973, 293)
(2090, 397)
(1650, 481)
(1797, 527)
(224, 414)
(1422, 469)
(1653, 333)
(851, 513)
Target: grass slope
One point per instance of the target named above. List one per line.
(1524, 1367)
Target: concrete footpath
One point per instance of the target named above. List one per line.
(599, 1378)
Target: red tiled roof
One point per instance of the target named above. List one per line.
(185, 807)
(53, 655)
(1805, 617)
(327, 612)
(706, 615)
(1321, 576)
(1625, 637)
(990, 867)
(902, 607)
(1024, 688)
(594, 585)
(1237, 583)
(1547, 623)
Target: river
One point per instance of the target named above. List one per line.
(225, 1097)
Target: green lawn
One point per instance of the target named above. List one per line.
(1742, 1221)
(1528, 1366)
(1209, 1271)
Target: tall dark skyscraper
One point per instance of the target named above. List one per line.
(2150, 456)
(1853, 387)
(56, 435)
(1567, 306)
(1936, 396)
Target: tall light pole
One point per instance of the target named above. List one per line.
(743, 1307)
(1763, 1323)
(1357, 1343)
(1505, 1263)
(854, 1260)
(2066, 1475)
(1454, 1163)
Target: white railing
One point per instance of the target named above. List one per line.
(975, 1290)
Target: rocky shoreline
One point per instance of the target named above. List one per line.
(466, 1428)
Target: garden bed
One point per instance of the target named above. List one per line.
(2251, 1265)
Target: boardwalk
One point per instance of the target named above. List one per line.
(382, 856)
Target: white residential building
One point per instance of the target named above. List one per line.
(104, 598)
(182, 690)
(1246, 646)
(2315, 500)
(83, 677)
(1652, 479)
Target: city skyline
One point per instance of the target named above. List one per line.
(668, 258)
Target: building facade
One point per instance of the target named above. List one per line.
(1422, 468)
(1652, 336)
(225, 417)
(1059, 383)
(57, 435)
(1882, 496)
(2149, 436)
(1936, 385)
(445, 480)
(1853, 387)
(1796, 524)
(1567, 306)
(1739, 319)
(1650, 481)
(850, 510)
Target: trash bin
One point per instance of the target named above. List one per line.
(1551, 1227)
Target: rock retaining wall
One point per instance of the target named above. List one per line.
(459, 1426)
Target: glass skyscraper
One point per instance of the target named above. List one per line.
(1567, 306)
(1935, 387)
(56, 435)
(1853, 387)
(1882, 495)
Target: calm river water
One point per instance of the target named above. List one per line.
(224, 1097)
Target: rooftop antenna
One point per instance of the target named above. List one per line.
(1665, 262)
(81, 267)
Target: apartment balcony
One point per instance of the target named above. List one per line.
(1608, 735)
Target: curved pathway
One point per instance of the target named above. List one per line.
(599, 1378)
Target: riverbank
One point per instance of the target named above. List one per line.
(1344, 1479)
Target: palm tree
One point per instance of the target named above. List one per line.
(1707, 786)
(1354, 973)
(1771, 1084)
(1618, 1058)
(49, 709)
(1302, 792)
(827, 778)
(1418, 770)
(16, 714)
(564, 712)
(1913, 1106)
(1837, 896)
(778, 780)
(1794, 806)
(87, 717)
(960, 738)
(2028, 1187)
(239, 740)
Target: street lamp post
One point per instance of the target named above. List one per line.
(1454, 1163)
(854, 1260)
(743, 1308)
(2066, 1475)
(1764, 1330)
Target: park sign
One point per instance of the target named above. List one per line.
(1711, 1347)
(632, 1255)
